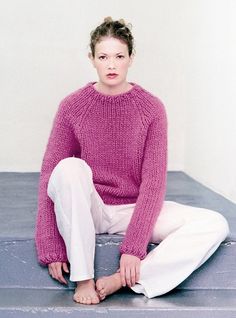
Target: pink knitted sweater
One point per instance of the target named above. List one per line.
(123, 138)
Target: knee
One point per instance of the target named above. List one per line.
(69, 168)
(219, 224)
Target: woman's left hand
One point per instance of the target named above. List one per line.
(129, 269)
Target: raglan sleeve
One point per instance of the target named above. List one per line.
(62, 143)
(152, 188)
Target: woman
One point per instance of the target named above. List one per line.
(104, 171)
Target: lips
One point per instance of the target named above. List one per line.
(112, 75)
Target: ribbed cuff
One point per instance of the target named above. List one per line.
(52, 258)
(141, 254)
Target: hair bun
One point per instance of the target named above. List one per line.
(122, 21)
(108, 19)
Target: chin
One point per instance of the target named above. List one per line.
(113, 82)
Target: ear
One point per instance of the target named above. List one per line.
(131, 58)
(90, 56)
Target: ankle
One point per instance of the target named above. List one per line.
(117, 277)
(86, 282)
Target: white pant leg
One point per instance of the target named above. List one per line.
(80, 214)
(189, 236)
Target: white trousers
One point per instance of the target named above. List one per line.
(188, 235)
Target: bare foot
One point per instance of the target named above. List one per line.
(107, 285)
(85, 292)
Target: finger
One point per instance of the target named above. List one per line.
(53, 271)
(137, 269)
(59, 276)
(122, 276)
(65, 267)
(50, 270)
(56, 271)
(132, 276)
(127, 276)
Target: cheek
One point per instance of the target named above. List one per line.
(100, 68)
(124, 66)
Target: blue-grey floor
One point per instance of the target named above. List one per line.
(18, 201)
(26, 288)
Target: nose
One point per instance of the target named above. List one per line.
(111, 64)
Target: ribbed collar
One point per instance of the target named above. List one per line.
(98, 95)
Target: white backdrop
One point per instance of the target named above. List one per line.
(185, 54)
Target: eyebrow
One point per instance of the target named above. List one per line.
(106, 54)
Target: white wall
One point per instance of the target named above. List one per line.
(185, 55)
(210, 81)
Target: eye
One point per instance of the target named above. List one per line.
(120, 56)
(102, 57)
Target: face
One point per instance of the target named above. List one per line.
(111, 57)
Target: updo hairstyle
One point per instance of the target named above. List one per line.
(110, 28)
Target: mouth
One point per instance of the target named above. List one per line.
(112, 75)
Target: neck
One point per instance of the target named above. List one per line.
(112, 90)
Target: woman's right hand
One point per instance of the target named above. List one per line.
(55, 270)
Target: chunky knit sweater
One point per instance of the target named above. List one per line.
(123, 138)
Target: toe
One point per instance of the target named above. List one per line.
(85, 300)
(88, 300)
(99, 285)
(76, 298)
(102, 292)
(102, 297)
(81, 300)
(95, 300)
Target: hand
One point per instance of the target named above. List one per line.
(129, 269)
(55, 270)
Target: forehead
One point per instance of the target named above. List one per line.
(110, 45)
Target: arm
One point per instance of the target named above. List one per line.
(61, 144)
(152, 189)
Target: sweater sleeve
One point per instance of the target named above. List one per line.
(152, 188)
(61, 144)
